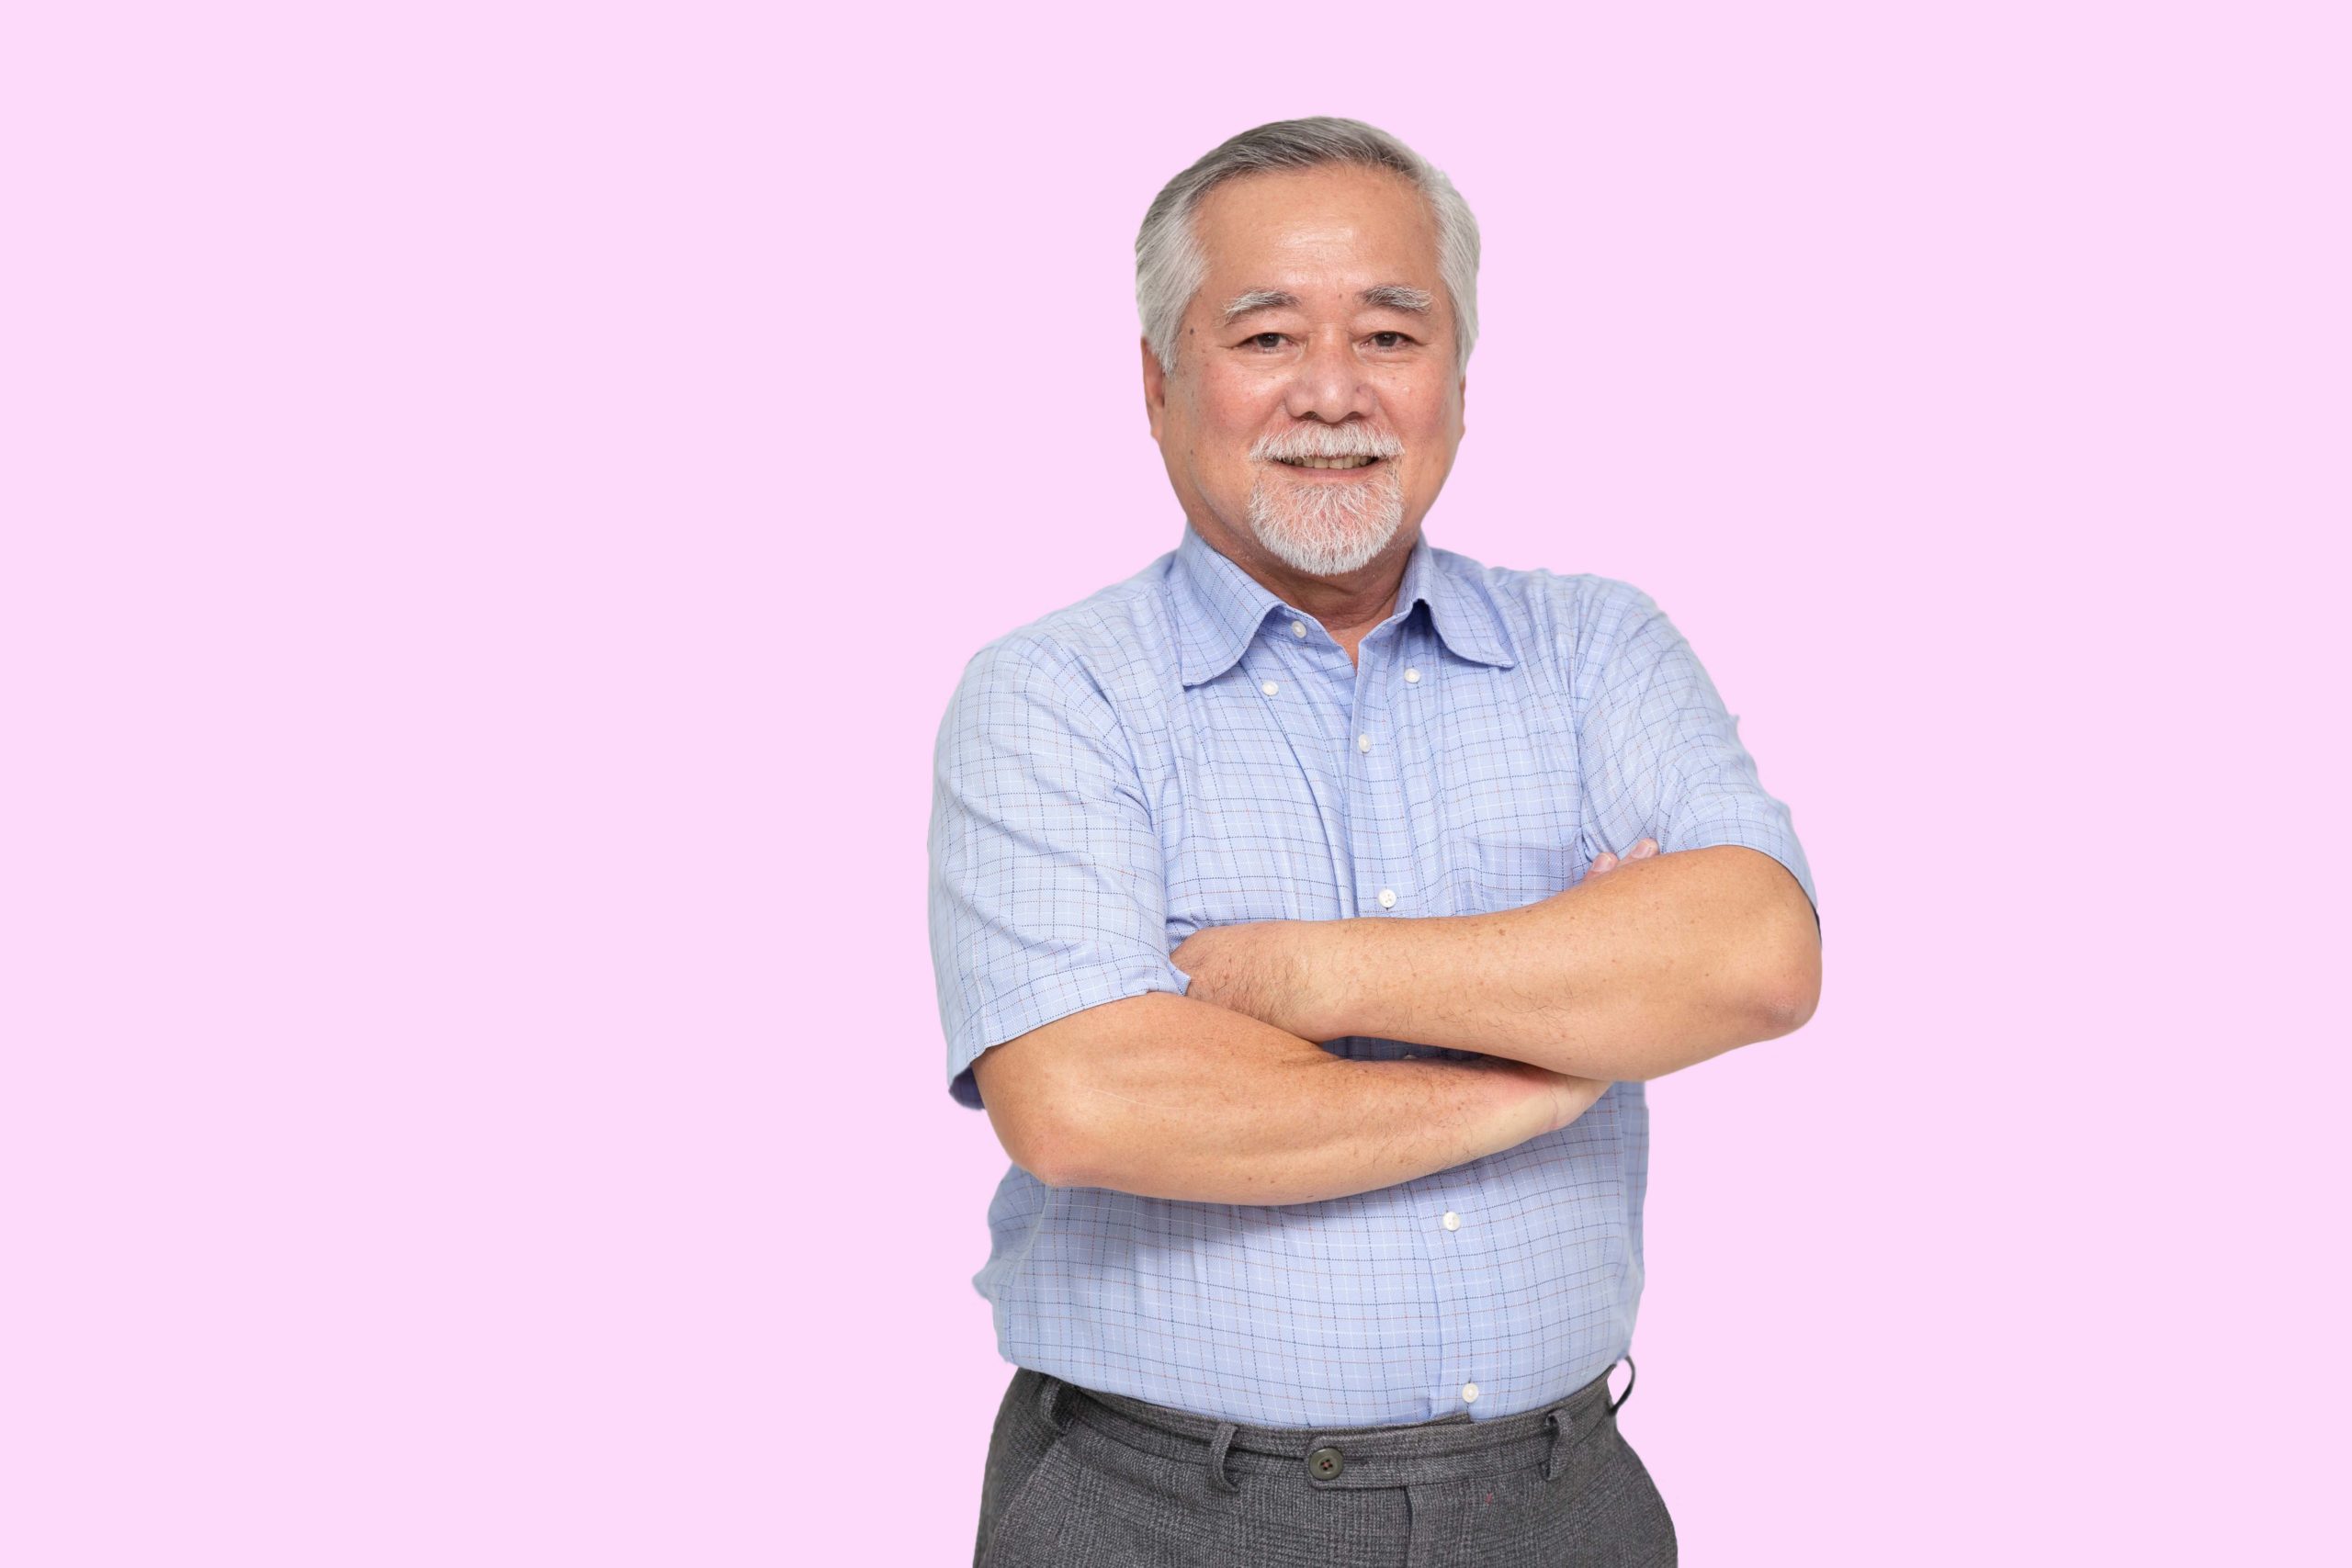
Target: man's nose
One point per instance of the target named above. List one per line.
(1330, 384)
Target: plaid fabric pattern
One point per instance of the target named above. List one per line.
(1182, 749)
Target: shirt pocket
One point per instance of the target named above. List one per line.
(1509, 790)
(1511, 870)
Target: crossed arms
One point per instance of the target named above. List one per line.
(1222, 1095)
(1197, 1074)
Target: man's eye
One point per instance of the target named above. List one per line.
(1390, 340)
(1268, 340)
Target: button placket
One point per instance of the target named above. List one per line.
(1374, 787)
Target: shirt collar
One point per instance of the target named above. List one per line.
(1220, 607)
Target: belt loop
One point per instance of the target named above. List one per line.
(1217, 1447)
(1049, 1399)
(1555, 1457)
(1630, 1372)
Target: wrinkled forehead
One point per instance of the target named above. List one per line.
(1331, 233)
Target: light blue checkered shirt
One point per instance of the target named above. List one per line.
(1182, 749)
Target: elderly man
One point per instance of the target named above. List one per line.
(1281, 929)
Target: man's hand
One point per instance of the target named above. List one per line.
(1287, 973)
(1607, 860)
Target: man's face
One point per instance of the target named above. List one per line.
(1322, 327)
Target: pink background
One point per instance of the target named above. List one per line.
(496, 498)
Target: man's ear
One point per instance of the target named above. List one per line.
(1155, 388)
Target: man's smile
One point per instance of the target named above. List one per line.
(1327, 465)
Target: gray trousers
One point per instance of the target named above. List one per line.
(1078, 1479)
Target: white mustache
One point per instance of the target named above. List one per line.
(1326, 441)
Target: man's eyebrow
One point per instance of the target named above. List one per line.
(1384, 296)
(1257, 300)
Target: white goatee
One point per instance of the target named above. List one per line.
(1321, 528)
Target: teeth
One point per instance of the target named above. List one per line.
(1330, 462)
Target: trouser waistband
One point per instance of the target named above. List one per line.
(1447, 1448)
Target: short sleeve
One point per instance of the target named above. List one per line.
(1048, 879)
(1662, 759)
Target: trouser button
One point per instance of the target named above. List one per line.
(1324, 1463)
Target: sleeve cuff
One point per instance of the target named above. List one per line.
(1034, 1007)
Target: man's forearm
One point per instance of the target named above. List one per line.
(1170, 1098)
(1660, 963)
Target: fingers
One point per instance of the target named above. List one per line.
(1607, 859)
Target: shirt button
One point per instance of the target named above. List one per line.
(1364, 742)
(1453, 1221)
(1469, 1392)
(1298, 628)
(1412, 677)
(1388, 897)
(1269, 688)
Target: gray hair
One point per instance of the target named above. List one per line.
(1170, 264)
